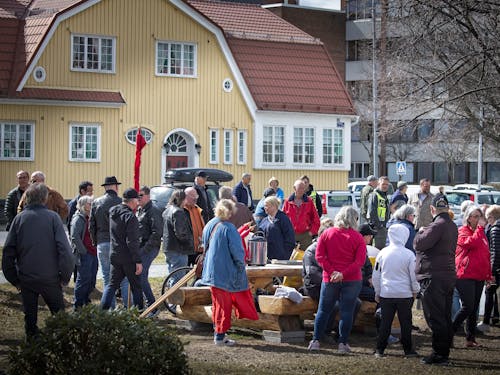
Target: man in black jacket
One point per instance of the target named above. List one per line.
(14, 197)
(125, 254)
(203, 201)
(99, 230)
(435, 247)
(37, 256)
(150, 232)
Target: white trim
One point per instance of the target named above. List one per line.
(98, 151)
(41, 69)
(17, 122)
(99, 70)
(215, 147)
(247, 96)
(48, 37)
(170, 42)
(61, 103)
(228, 152)
(136, 128)
(301, 120)
(243, 148)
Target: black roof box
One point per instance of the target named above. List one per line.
(188, 175)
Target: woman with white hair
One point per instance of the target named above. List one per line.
(224, 270)
(85, 253)
(404, 215)
(472, 262)
(341, 252)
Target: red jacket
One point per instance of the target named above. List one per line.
(342, 250)
(304, 218)
(472, 257)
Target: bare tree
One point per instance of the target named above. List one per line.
(445, 62)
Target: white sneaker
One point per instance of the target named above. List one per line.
(224, 342)
(313, 345)
(483, 327)
(344, 348)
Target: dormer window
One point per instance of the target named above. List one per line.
(176, 59)
(91, 53)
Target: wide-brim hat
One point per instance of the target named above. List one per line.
(111, 180)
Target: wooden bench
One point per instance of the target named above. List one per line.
(280, 319)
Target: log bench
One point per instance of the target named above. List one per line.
(280, 319)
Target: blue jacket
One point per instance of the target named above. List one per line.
(224, 265)
(280, 236)
(411, 228)
(241, 195)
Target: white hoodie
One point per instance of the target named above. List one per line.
(394, 272)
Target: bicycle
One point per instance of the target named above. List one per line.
(168, 283)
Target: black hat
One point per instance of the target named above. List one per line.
(268, 192)
(130, 193)
(367, 230)
(202, 174)
(440, 201)
(111, 180)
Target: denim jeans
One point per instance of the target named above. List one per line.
(103, 250)
(147, 258)
(85, 279)
(456, 304)
(346, 293)
(175, 260)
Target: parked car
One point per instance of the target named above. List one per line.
(333, 200)
(457, 196)
(181, 178)
(473, 186)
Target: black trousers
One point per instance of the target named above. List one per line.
(491, 303)
(437, 297)
(118, 271)
(52, 295)
(389, 307)
(470, 294)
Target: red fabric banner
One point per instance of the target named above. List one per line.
(140, 143)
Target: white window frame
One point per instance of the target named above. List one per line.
(241, 147)
(274, 145)
(302, 154)
(214, 146)
(334, 136)
(100, 70)
(228, 146)
(98, 141)
(169, 44)
(31, 140)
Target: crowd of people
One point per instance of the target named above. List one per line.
(419, 252)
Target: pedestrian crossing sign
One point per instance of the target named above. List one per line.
(401, 167)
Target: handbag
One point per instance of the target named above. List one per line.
(201, 258)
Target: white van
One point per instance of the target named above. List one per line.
(333, 200)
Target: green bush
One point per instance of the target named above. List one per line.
(93, 341)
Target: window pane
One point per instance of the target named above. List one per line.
(338, 146)
(93, 53)
(327, 146)
(279, 144)
(107, 54)
(298, 145)
(175, 59)
(24, 141)
(78, 52)
(162, 59)
(309, 146)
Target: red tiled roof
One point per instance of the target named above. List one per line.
(24, 24)
(291, 77)
(250, 22)
(70, 95)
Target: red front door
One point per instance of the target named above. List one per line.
(176, 161)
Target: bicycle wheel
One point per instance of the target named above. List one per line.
(176, 274)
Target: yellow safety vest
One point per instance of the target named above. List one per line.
(381, 207)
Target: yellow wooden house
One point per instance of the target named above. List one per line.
(211, 84)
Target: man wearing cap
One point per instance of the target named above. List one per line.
(435, 247)
(378, 211)
(99, 229)
(422, 202)
(243, 192)
(399, 195)
(365, 193)
(203, 201)
(125, 254)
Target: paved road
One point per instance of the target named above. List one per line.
(156, 270)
